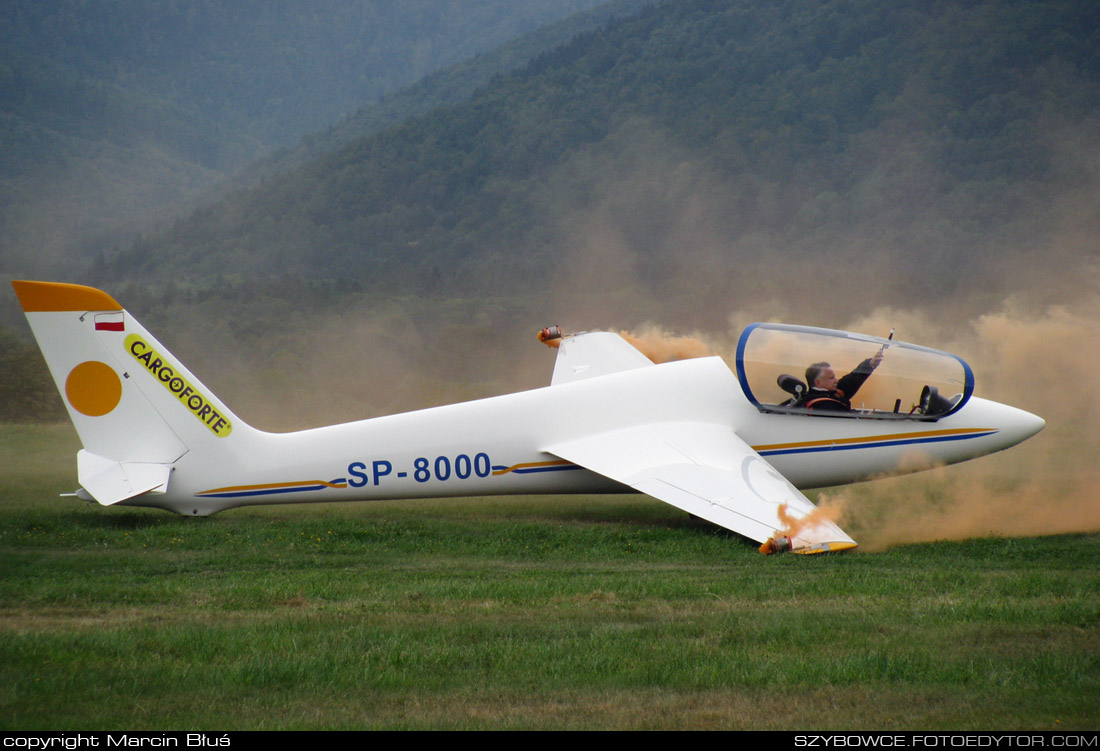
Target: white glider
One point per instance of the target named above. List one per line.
(731, 448)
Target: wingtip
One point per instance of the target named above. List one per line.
(825, 547)
(780, 544)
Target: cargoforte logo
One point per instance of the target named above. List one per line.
(198, 404)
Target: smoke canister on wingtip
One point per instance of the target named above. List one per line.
(777, 544)
(549, 334)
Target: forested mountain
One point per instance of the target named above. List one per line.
(693, 145)
(699, 164)
(271, 69)
(450, 85)
(111, 112)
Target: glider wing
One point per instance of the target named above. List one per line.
(708, 471)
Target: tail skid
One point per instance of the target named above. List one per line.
(136, 409)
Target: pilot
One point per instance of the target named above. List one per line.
(828, 393)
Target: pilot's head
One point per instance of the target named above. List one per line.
(820, 375)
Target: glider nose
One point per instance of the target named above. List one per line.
(1037, 424)
(1018, 425)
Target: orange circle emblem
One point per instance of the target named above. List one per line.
(93, 388)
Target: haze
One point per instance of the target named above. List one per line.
(651, 229)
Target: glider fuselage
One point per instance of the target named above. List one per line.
(498, 445)
(730, 448)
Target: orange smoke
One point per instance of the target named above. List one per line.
(660, 346)
(793, 526)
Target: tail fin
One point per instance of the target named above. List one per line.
(136, 409)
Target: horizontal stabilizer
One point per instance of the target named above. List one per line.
(110, 482)
(708, 471)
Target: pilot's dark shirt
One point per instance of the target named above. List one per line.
(840, 398)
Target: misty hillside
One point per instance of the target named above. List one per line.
(271, 69)
(449, 85)
(692, 145)
(112, 112)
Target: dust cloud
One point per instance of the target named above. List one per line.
(1045, 361)
(1022, 307)
(312, 365)
(1042, 359)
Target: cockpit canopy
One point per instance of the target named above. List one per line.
(910, 382)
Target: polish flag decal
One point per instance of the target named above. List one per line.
(110, 322)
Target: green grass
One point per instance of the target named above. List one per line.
(607, 612)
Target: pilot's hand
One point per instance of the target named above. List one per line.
(877, 359)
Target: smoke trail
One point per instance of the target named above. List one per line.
(792, 526)
(661, 346)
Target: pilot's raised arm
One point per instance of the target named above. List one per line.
(828, 393)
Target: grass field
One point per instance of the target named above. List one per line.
(607, 612)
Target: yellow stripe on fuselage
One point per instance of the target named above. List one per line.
(924, 435)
